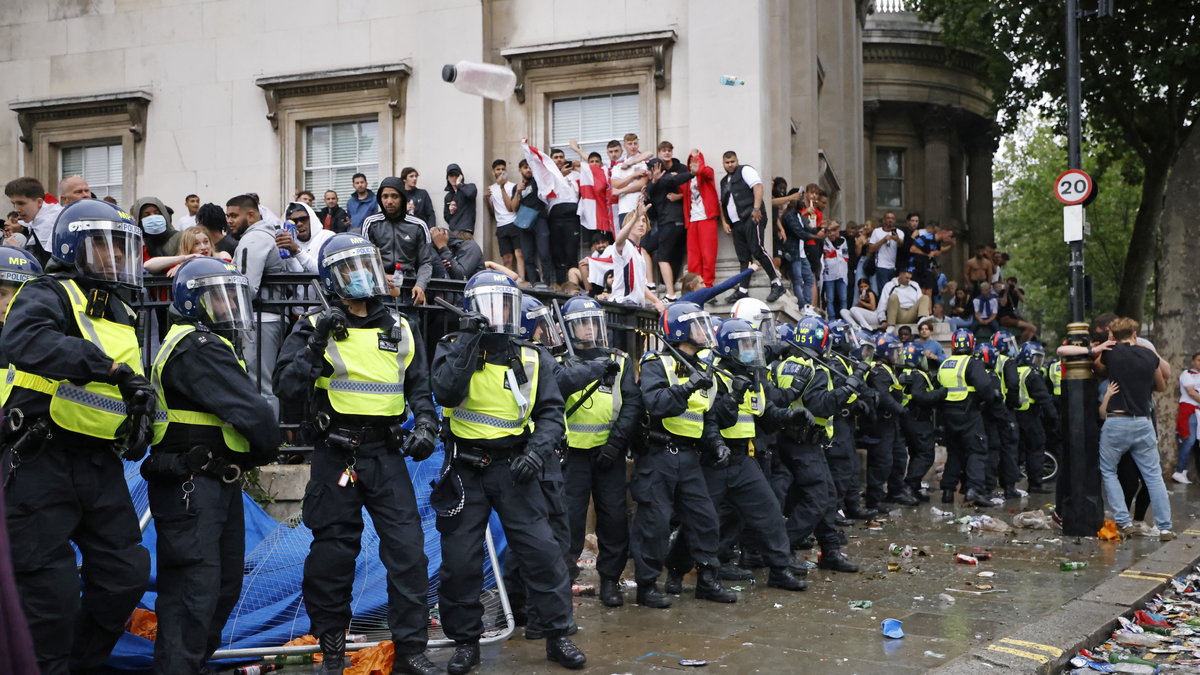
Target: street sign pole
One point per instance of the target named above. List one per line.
(1078, 491)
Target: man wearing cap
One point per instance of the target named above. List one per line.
(459, 212)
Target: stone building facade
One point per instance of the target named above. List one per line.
(220, 97)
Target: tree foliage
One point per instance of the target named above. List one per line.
(1141, 87)
(1029, 221)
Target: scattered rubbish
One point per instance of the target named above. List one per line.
(860, 604)
(986, 574)
(938, 512)
(778, 606)
(1109, 532)
(892, 629)
(693, 662)
(982, 556)
(737, 588)
(1034, 520)
(947, 547)
(918, 597)
(989, 591)
(1071, 566)
(964, 559)
(628, 583)
(732, 81)
(987, 524)
(933, 654)
(905, 552)
(947, 598)
(583, 590)
(893, 567)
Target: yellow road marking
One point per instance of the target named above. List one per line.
(1040, 658)
(1052, 651)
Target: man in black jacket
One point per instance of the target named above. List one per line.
(663, 190)
(742, 216)
(403, 240)
(459, 211)
(333, 217)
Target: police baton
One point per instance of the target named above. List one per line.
(562, 324)
(339, 329)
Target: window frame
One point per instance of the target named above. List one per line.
(880, 178)
(580, 96)
(63, 148)
(302, 157)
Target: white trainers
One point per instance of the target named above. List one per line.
(1147, 530)
(1181, 477)
(1166, 535)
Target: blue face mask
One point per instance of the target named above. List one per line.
(748, 355)
(361, 284)
(154, 224)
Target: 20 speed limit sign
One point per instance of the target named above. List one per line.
(1073, 186)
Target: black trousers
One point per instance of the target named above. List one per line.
(741, 492)
(564, 240)
(535, 246)
(812, 503)
(334, 514)
(1032, 444)
(664, 483)
(843, 462)
(749, 245)
(58, 496)
(966, 448)
(920, 436)
(606, 489)
(514, 574)
(886, 461)
(201, 553)
(1000, 428)
(525, 513)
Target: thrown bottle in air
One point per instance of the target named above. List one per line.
(481, 79)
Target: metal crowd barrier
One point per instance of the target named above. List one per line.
(291, 295)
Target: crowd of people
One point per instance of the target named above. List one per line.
(742, 434)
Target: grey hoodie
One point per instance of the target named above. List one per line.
(157, 245)
(257, 255)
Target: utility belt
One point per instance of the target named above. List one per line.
(185, 464)
(473, 456)
(353, 440)
(664, 440)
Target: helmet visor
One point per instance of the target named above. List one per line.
(357, 272)
(225, 302)
(110, 252)
(766, 326)
(700, 328)
(545, 328)
(500, 304)
(748, 348)
(1037, 359)
(588, 329)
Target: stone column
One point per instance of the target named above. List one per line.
(981, 224)
(936, 128)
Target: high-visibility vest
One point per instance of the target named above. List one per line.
(848, 371)
(498, 403)
(752, 405)
(165, 417)
(590, 424)
(928, 384)
(1055, 374)
(368, 370)
(952, 375)
(1023, 401)
(893, 383)
(784, 375)
(94, 409)
(689, 423)
(1001, 362)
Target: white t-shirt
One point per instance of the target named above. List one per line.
(697, 201)
(1188, 378)
(503, 215)
(835, 261)
(184, 222)
(886, 255)
(751, 177)
(626, 201)
(629, 273)
(906, 295)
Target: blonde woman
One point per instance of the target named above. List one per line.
(193, 240)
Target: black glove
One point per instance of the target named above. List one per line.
(740, 385)
(525, 466)
(800, 419)
(905, 379)
(861, 369)
(134, 436)
(258, 457)
(699, 380)
(854, 383)
(721, 455)
(605, 457)
(137, 392)
(611, 369)
(332, 323)
(472, 322)
(420, 442)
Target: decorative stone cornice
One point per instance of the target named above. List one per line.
(392, 77)
(131, 104)
(655, 46)
(933, 55)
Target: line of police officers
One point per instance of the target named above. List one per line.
(743, 440)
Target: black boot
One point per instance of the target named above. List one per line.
(414, 664)
(535, 633)
(466, 657)
(648, 596)
(948, 496)
(857, 512)
(805, 544)
(834, 559)
(751, 560)
(918, 493)
(798, 568)
(903, 498)
(333, 652)
(564, 652)
(610, 592)
(708, 586)
(731, 572)
(980, 500)
(782, 577)
(674, 585)
(842, 521)
(776, 292)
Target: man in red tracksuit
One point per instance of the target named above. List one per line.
(700, 210)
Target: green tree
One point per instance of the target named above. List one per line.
(1141, 89)
(1029, 221)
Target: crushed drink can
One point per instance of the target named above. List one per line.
(965, 559)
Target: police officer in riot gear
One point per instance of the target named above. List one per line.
(805, 382)
(78, 398)
(1035, 404)
(1000, 424)
(859, 410)
(886, 469)
(967, 388)
(920, 398)
(505, 418)
(679, 392)
(601, 424)
(16, 267)
(362, 369)
(212, 425)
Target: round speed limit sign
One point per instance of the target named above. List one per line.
(1073, 186)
